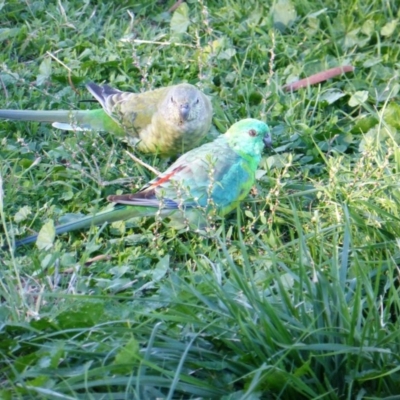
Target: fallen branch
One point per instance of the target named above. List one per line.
(139, 161)
(317, 78)
(175, 6)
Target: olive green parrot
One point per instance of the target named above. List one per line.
(167, 121)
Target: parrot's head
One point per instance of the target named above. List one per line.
(186, 105)
(249, 137)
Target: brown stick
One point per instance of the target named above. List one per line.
(317, 78)
(139, 161)
(175, 6)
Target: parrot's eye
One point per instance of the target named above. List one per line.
(252, 132)
(197, 101)
(172, 100)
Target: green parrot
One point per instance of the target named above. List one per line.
(167, 121)
(215, 176)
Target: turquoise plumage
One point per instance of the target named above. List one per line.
(217, 175)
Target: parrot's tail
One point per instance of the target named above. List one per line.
(118, 213)
(72, 120)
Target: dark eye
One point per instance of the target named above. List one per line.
(252, 132)
(172, 100)
(197, 101)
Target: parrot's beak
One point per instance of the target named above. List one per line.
(184, 111)
(267, 141)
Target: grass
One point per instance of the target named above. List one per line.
(293, 296)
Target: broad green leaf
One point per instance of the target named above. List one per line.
(120, 226)
(391, 114)
(9, 79)
(249, 214)
(82, 314)
(128, 354)
(46, 236)
(364, 124)
(7, 33)
(372, 61)
(68, 260)
(368, 27)
(374, 136)
(260, 173)
(47, 261)
(358, 98)
(44, 71)
(22, 214)
(386, 91)
(215, 46)
(353, 38)
(67, 195)
(389, 28)
(227, 54)
(278, 160)
(283, 14)
(41, 380)
(180, 20)
(287, 280)
(331, 95)
(318, 13)
(161, 268)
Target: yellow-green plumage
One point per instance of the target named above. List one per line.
(217, 175)
(167, 121)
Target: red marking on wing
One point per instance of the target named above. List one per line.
(166, 177)
(148, 193)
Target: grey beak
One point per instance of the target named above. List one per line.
(267, 141)
(184, 111)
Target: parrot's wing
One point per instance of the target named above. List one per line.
(209, 170)
(102, 93)
(148, 195)
(133, 111)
